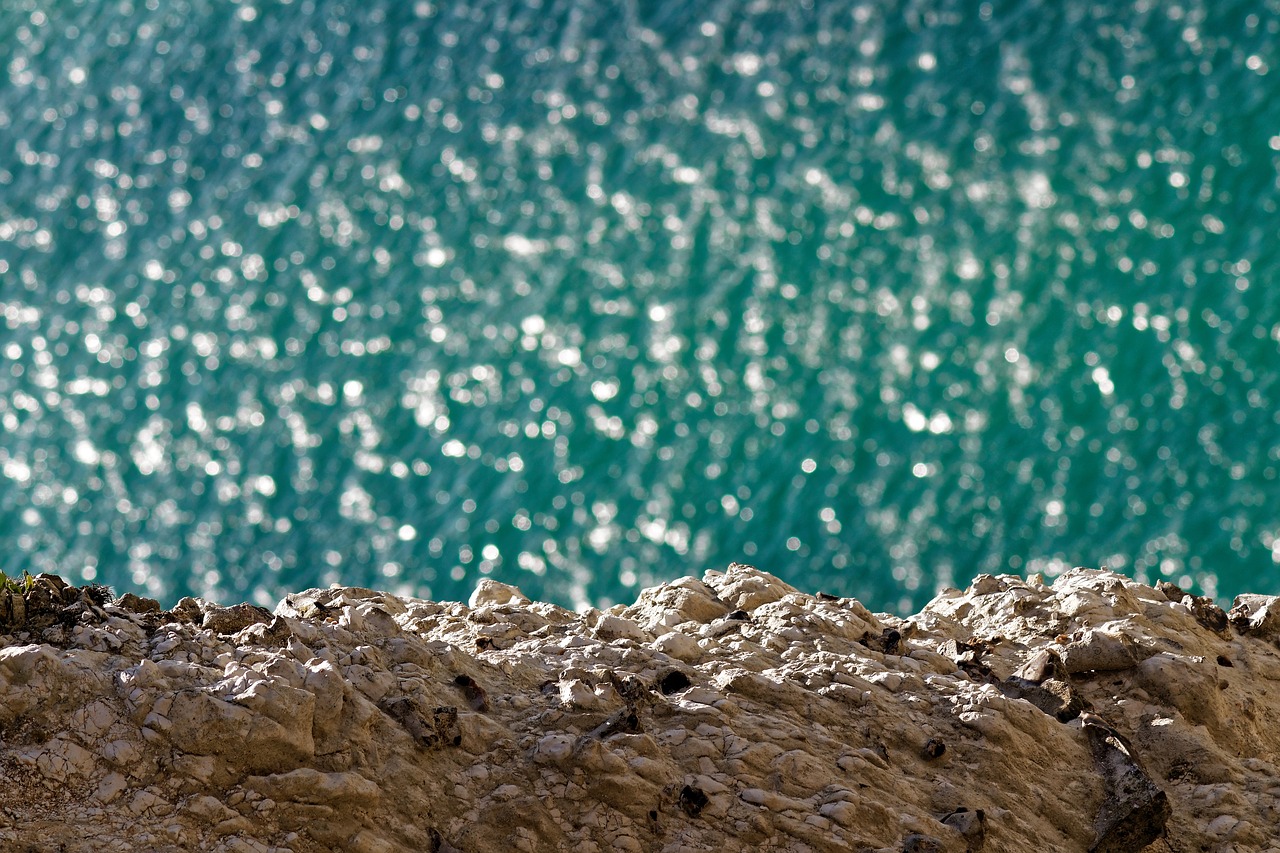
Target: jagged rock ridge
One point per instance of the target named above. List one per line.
(728, 713)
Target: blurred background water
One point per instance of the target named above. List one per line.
(584, 295)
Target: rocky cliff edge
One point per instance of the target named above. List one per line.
(731, 713)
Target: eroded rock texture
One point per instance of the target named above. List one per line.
(729, 713)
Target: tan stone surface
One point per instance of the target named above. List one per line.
(730, 713)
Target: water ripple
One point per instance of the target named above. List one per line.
(405, 294)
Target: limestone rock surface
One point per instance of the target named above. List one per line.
(730, 713)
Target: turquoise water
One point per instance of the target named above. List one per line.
(587, 295)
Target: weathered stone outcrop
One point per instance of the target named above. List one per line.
(728, 713)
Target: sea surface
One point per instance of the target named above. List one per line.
(583, 295)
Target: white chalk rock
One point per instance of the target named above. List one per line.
(679, 646)
(610, 627)
(489, 592)
(745, 587)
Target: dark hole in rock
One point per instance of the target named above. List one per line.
(739, 616)
(1223, 660)
(933, 749)
(474, 693)
(886, 642)
(826, 596)
(628, 686)
(484, 643)
(623, 720)
(429, 730)
(692, 800)
(674, 682)
(437, 843)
